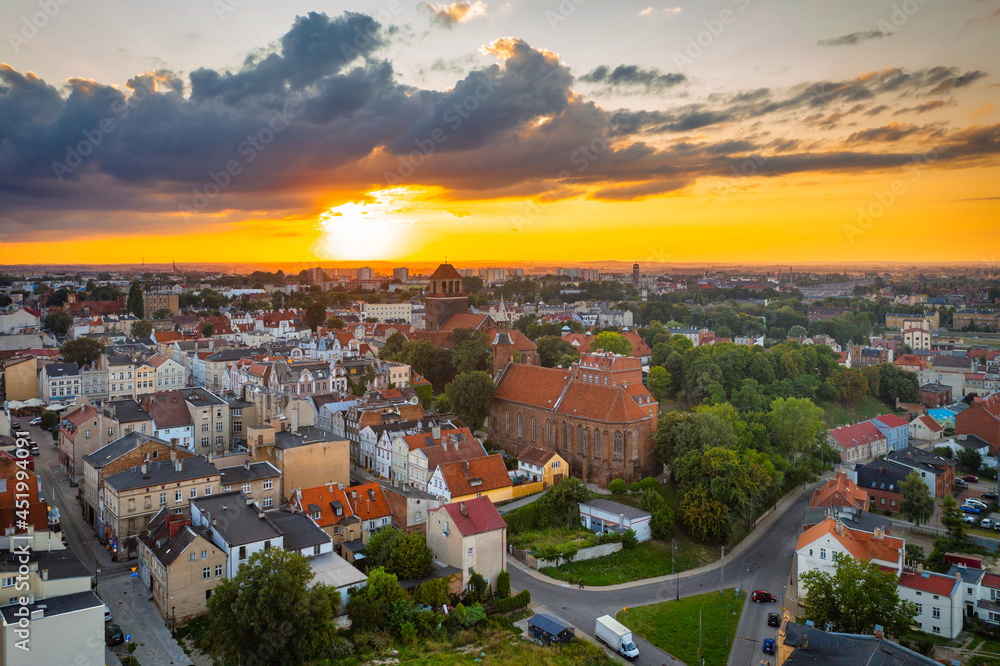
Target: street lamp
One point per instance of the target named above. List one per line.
(677, 576)
(732, 612)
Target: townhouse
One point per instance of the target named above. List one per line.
(471, 536)
(260, 481)
(305, 459)
(485, 476)
(171, 417)
(939, 599)
(536, 464)
(925, 429)
(59, 382)
(237, 526)
(840, 491)
(83, 430)
(121, 376)
(937, 472)
(859, 443)
(409, 507)
(168, 373)
(818, 547)
(881, 479)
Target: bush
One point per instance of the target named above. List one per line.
(407, 633)
(478, 587)
(516, 602)
(503, 584)
(649, 483)
(662, 524)
(652, 501)
(634, 487)
(629, 540)
(617, 487)
(433, 593)
(609, 537)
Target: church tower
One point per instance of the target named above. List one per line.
(443, 297)
(503, 346)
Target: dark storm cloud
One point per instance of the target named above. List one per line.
(854, 38)
(633, 76)
(325, 111)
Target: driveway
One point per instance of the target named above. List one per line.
(763, 561)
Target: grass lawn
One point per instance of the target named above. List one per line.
(561, 537)
(673, 625)
(650, 559)
(836, 415)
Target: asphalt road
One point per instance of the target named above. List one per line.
(765, 564)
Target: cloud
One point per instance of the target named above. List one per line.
(651, 11)
(633, 76)
(925, 107)
(457, 12)
(854, 38)
(886, 134)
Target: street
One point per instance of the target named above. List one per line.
(764, 564)
(126, 596)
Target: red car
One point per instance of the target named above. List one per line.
(760, 596)
(971, 478)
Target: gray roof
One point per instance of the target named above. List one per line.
(409, 491)
(67, 603)
(128, 411)
(118, 448)
(929, 462)
(306, 435)
(853, 517)
(241, 474)
(200, 397)
(62, 369)
(969, 575)
(616, 508)
(160, 473)
(236, 522)
(59, 563)
(829, 649)
(882, 475)
(168, 550)
(231, 355)
(120, 359)
(936, 387)
(298, 530)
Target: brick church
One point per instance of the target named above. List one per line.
(597, 414)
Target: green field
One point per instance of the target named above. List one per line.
(648, 560)
(673, 626)
(836, 415)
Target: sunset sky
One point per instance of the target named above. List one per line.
(572, 130)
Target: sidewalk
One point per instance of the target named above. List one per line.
(759, 530)
(517, 504)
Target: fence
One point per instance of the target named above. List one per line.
(584, 554)
(525, 489)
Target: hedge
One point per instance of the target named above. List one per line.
(516, 602)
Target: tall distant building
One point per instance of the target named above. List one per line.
(315, 275)
(590, 274)
(402, 274)
(635, 275)
(364, 273)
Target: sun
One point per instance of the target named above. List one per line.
(375, 228)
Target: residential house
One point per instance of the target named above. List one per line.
(809, 645)
(328, 508)
(409, 507)
(171, 418)
(179, 565)
(925, 429)
(168, 373)
(840, 491)
(601, 516)
(131, 498)
(881, 479)
(939, 600)
(859, 442)
(300, 534)
(453, 445)
(121, 376)
(59, 382)
(934, 395)
(260, 481)
(471, 536)
(853, 517)
(461, 480)
(128, 416)
(895, 429)
(44, 574)
(69, 628)
(937, 472)
(306, 459)
(819, 546)
(537, 464)
(82, 430)
(237, 526)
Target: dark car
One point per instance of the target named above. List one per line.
(768, 646)
(960, 483)
(773, 620)
(971, 478)
(989, 496)
(760, 596)
(113, 635)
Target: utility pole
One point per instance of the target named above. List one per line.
(699, 638)
(722, 588)
(677, 576)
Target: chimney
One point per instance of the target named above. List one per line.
(879, 533)
(463, 508)
(145, 469)
(179, 465)
(436, 433)
(246, 464)
(840, 527)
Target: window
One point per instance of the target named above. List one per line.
(163, 498)
(226, 489)
(194, 492)
(506, 423)
(208, 490)
(267, 545)
(9, 581)
(178, 496)
(243, 553)
(204, 427)
(618, 446)
(935, 612)
(822, 553)
(218, 570)
(920, 608)
(597, 444)
(555, 464)
(548, 433)
(206, 572)
(218, 426)
(268, 484)
(470, 552)
(267, 501)
(204, 441)
(936, 630)
(565, 436)
(193, 557)
(204, 554)
(220, 439)
(533, 433)
(131, 504)
(246, 487)
(147, 502)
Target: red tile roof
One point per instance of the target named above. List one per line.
(479, 516)
(323, 497)
(467, 320)
(892, 421)
(446, 272)
(991, 580)
(863, 546)
(367, 501)
(928, 581)
(532, 385)
(534, 455)
(478, 475)
(859, 433)
(840, 491)
(931, 424)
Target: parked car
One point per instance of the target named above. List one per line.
(760, 596)
(768, 646)
(16, 425)
(34, 450)
(972, 508)
(959, 483)
(773, 620)
(971, 478)
(113, 635)
(986, 523)
(969, 520)
(107, 613)
(35, 421)
(977, 502)
(990, 496)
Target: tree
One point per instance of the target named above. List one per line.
(471, 396)
(434, 593)
(370, 606)
(856, 597)
(659, 383)
(82, 351)
(134, 302)
(411, 559)
(612, 342)
(618, 487)
(552, 348)
(141, 329)
(849, 386)
(380, 547)
(969, 459)
(703, 516)
(268, 613)
(315, 314)
(794, 424)
(470, 350)
(916, 504)
(392, 347)
(207, 329)
(797, 331)
(162, 313)
(951, 518)
(337, 322)
(426, 359)
(503, 584)
(58, 324)
(49, 420)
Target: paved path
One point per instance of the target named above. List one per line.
(517, 504)
(761, 561)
